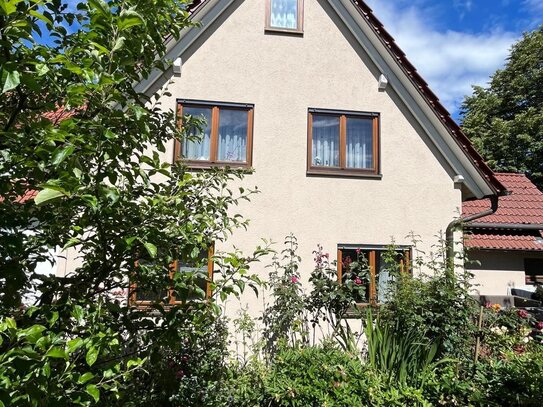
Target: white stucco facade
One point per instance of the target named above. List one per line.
(283, 76)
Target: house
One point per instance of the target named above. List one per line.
(508, 245)
(349, 146)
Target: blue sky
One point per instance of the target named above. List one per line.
(457, 43)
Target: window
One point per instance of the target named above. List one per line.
(203, 264)
(284, 15)
(342, 143)
(533, 271)
(372, 267)
(226, 138)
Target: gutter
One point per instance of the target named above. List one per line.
(449, 233)
(517, 226)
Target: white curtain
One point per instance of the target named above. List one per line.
(359, 143)
(325, 143)
(284, 14)
(232, 135)
(198, 150)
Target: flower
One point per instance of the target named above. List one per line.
(357, 281)
(358, 250)
(180, 374)
(498, 331)
(522, 313)
(293, 279)
(539, 325)
(496, 307)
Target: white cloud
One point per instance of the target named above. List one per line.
(450, 61)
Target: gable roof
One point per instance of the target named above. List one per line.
(502, 230)
(479, 179)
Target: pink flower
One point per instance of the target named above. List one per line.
(294, 279)
(539, 325)
(357, 281)
(358, 251)
(522, 313)
(180, 374)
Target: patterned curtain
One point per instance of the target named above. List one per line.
(359, 143)
(325, 141)
(232, 135)
(198, 150)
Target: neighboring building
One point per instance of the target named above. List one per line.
(509, 243)
(349, 145)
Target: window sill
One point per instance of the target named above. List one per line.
(207, 165)
(333, 172)
(359, 310)
(281, 31)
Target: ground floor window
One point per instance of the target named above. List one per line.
(373, 267)
(199, 267)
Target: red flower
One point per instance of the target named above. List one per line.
(522, 313)
(294, 279)
(357, 281)
(539, 325)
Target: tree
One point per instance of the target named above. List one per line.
(74, 129)
(505, 120)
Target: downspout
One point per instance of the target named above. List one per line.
(449, 234)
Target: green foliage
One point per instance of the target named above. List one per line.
(316, 376)
(404, 359)
(285, 320)
(75, 129)
(505, 120)
(188, 371)
(41, 366)
(440, 305)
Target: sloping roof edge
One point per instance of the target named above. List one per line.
(209, 13)
(432, 100)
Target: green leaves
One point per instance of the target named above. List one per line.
(151, 249)
(130, 18)
(48, 195)
(91, 356)
(56, 352)
(11, 80)
(94, 392)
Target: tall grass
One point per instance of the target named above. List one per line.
(406, 359)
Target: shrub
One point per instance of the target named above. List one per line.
(325, 376)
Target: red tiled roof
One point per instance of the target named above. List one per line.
(504, 242)
(523, 206)
(27, 196)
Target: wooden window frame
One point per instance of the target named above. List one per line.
(299, 23)
(214, 137)
(343, 170)
(133, 300)
(372, 261)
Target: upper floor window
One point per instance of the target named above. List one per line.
(284, 15)
(343, 142)
(224, 139)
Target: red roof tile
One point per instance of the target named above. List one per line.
(523, 206)
(27, 196)
(504, 242)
